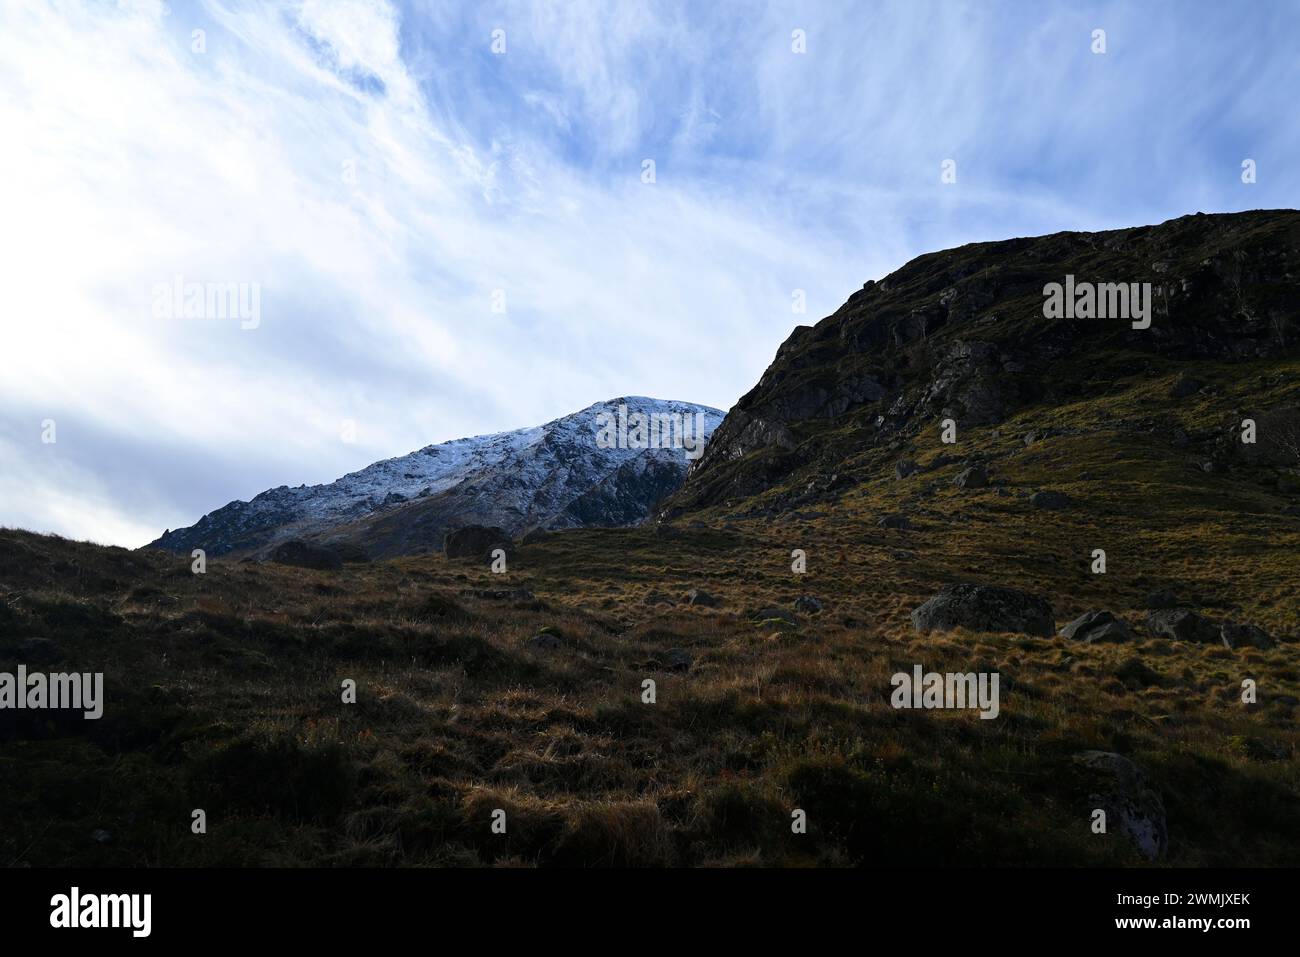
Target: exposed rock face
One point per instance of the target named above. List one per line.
(985, 608)
(1134, 808)
(1277, 438)
(961, 334)
(1182, 625)
(972, 478)
(1096, 626)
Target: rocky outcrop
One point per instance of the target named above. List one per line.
(985, 608)
(961, 334)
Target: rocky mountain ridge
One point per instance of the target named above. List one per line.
(555, 475)
(962, 334)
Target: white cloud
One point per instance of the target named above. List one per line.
(379, 207)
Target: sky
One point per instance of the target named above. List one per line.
(454, 218)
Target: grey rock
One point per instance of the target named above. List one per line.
(972, 478)
(767, 614)
(1135, 673)
(1236, 635)
(1185, 386)
(678, 660)
(905, 467)
(895, 521)
(702, 598)
(1096, 626)
(985, 608)
(1133, 806)
(1182, 625)
(1052, 501)
(807, 604)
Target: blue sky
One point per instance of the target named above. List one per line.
(384, 179)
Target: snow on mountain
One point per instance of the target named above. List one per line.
(577, 470)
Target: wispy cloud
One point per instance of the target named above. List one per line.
(388, 182)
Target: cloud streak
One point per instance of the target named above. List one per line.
(387, 180)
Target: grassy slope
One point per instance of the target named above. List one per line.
(224, 688)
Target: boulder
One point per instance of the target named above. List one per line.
(895, 521)
(971, 478)
(474, 541)
(703, 599)
(1096, 626)
(767, 614)
(1185, 386)
(1235, 635)
(306, 555)
(1182, 625)
(1135, 673)
(807, 604)
(905, 467)
(678, 660)
(1052, 501)
(544, 642)
(985, 608)
(1134, 808)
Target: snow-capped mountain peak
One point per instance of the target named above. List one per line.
(607, 464)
